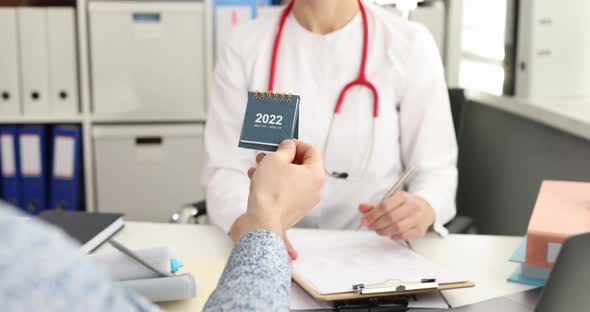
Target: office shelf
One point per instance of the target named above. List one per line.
(41, 119)
(86, 119)
(145, 119)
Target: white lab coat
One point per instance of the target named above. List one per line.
(414, 126)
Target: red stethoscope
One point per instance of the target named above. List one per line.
(361, 80)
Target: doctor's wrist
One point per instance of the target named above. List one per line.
(429, 214)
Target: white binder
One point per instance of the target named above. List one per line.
(63, 67)
(9, 75)
(34, 60)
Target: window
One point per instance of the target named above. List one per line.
(482, 57)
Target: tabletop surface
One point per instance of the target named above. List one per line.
(482, 258)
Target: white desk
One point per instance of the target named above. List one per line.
(483, 258)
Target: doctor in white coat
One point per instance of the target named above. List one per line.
(394, 115)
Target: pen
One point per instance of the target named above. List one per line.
(137, 258)
(397, 186)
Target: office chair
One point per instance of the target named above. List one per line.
(458, 101)
(193, 212)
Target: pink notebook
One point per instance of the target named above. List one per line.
(562, 210)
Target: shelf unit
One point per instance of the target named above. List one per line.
(77, 119)
(87, 119)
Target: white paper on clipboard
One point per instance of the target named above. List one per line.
(330, 262)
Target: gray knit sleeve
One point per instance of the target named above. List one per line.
(257, 276)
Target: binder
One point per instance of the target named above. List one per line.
(347, 265)
(9, 77)
(252, 4)
(226, 19)
(1, 194)
(34, 60)
(10, 169)
(231, 13)
(63, 68)
(32, 144)
(65, 177)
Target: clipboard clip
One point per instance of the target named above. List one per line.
(395, 285)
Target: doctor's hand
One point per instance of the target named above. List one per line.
(402, 216)
(284, 187)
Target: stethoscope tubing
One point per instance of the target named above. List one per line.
(360, 81)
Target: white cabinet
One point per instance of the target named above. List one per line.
(148, 172)
(148, 58)
(553, 49)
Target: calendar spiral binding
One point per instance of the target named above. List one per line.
(268, 95)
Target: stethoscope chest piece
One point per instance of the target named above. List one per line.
(341, 154)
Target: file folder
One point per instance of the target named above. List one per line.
(32, 144)
(226, 19)
(34, 60)
(65, 177)
(63, 69)
(9, 75)
(10, 169)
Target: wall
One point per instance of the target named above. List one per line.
(503, 159)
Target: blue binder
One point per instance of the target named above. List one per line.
(1, 184)
(65, 176)
(10, 167)
(34, 168)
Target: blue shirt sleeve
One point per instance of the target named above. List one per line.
(43, 270)
(257, 276)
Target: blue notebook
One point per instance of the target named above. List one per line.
(519, 275)
(270, 118)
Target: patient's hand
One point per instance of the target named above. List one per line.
(284, 187)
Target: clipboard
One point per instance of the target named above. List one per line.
(338, 265)
(352, 295)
